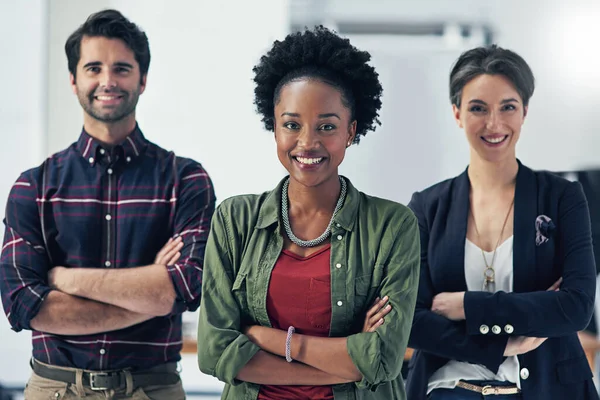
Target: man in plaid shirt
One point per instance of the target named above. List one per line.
(84, 264)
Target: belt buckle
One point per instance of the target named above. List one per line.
(489, 390)
(96, 380)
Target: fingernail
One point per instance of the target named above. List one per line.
(381, 321)
(388, 307)
(385, 298)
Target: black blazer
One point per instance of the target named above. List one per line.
(558, 369)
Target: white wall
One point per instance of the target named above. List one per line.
(198, 101)
(419, 143)
(22, 129)
(199, 96)
(559, 39)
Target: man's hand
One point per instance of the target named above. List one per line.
(59, 278)
(449, 305)
(374, 318)
(169, 254)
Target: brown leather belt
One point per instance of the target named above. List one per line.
(165, 374)
(488, 390)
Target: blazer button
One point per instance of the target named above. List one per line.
(509, 329)
(524, 373)
(496, 329)
(484, 329)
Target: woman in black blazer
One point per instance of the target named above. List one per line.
(507, 269)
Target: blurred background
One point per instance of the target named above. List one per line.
(199, 98)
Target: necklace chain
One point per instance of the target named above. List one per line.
(489, 273)
(286, 217)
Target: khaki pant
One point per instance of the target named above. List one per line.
(39, 388)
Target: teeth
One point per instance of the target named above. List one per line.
(494, 140)
(104, 98)
(309, 161)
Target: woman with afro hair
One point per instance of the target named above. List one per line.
(309, 290)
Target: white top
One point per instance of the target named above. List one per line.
(448, 376)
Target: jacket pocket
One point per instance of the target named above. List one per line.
(366, 290)
(573, 370)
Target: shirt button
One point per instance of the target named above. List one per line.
(128, 159)
(338, 266)
(484, 329)
(91, 160)
(524, 373)
(102, 151)
(509, 329)
(339, 237)
(107, 264)
(338, 225)
(108, 217)
(339, 303)
(496, 329)
(110, 171)
(102, 351)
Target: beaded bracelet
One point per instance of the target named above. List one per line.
(288, 344)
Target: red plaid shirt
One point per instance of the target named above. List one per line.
(100, 207)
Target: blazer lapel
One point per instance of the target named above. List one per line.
(456, 233)
(524, 257)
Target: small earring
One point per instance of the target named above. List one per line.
(349, 143)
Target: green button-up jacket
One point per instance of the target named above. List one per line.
(375, 251)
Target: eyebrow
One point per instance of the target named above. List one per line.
(92, 64)
(321, 116)
(477, 101)
(98, 63)
(328, 115)
(123, 64)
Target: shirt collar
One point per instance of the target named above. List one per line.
(92, 150)
(345, 218)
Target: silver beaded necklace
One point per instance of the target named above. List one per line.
(286, 217)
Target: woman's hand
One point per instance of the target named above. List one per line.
(253, 333)
(374, 318)
(556, 286)
(450, 305)
(522, 344)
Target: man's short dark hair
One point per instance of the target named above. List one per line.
(492, 60)
(110, 24)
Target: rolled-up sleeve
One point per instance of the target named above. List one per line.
(379, 355)
(24, 263)
(222, 349)
(194, 210)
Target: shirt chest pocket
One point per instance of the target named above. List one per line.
(366, 289)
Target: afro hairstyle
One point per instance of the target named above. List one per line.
(323, 55)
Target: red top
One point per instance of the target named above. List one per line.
(300, 295)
